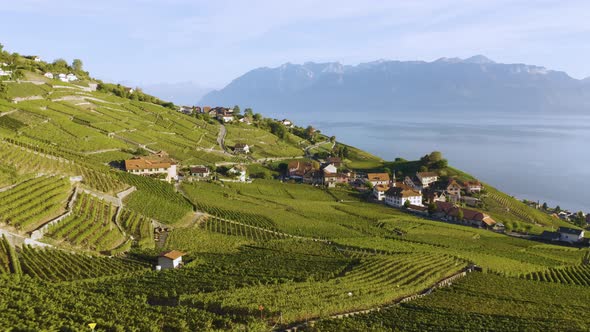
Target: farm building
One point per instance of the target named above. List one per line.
(570, 235)
(378, 178)
(200, 172)
(241, 148)
(158, 163)
(397, 197)
(170, 259)
(426, 178)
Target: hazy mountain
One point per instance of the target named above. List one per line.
(180, 93)
(475, 83)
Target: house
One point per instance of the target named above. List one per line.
(470, 217)
(246, 120)
(241, 148)
(471, 201)
(379, 192)
(453, 188)
(410, 183)
(225, 118)
(188, 110)
(71, 78)
(378, 178)
(37, 59)
(239, 172)
(570, 235)
(397, 197)
(313, 177)
(287, 123)
(435, 196)
(588, 218)
(336, 161)
(330, 169)
(330, 179)
(473, 187)
(5, 72)
(170, 259)
(426, 178)
(297, 169)
(200, 172)
(48, 75)
(158, 163)
(423, 210)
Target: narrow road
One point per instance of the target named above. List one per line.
(221, 138)
(307, 149)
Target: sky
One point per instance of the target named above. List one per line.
(209, 43)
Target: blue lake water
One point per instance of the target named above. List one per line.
(537, 157)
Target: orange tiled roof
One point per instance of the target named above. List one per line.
(378, 176)
(155, 161)
(173, 254)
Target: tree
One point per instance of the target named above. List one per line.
(77, 65)
(544, 207)
(333, 139)
(310, 132)
(423, 169)
(432, 208)
(257, 117)
(528, 228)
(60, 63)
(435, 156)
(440, 164)
(236, 110)
(248, 112)
(557, 209)
(407, 204)
(1, 47)
(460, 215)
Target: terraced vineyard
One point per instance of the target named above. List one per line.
(241, 217)
(480, 302)
(250, 232)
(8, 258)
(377, 280)
(89, 226)
(575, 275)
(59, 265)
(155, 199)
(139, 226)
(32, 202)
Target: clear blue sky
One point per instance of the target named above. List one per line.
(212, 42)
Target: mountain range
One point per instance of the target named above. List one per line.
(475, 83)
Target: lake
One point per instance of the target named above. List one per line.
(532, 156)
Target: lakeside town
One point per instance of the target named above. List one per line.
(423, 193)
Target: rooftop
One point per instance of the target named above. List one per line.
(173, 254)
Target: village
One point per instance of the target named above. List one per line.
(424, 193)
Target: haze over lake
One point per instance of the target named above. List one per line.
(532, 156)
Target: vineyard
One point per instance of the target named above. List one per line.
(89, 226)
(57, 265)
(377, 280)
(9, 262)
(508, 210)
(574, 275)
(155, 199)
(29, 204)
(250, 232)
(480, 302)
(241, 217)
(139, 227)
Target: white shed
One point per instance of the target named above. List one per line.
(170, 259)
